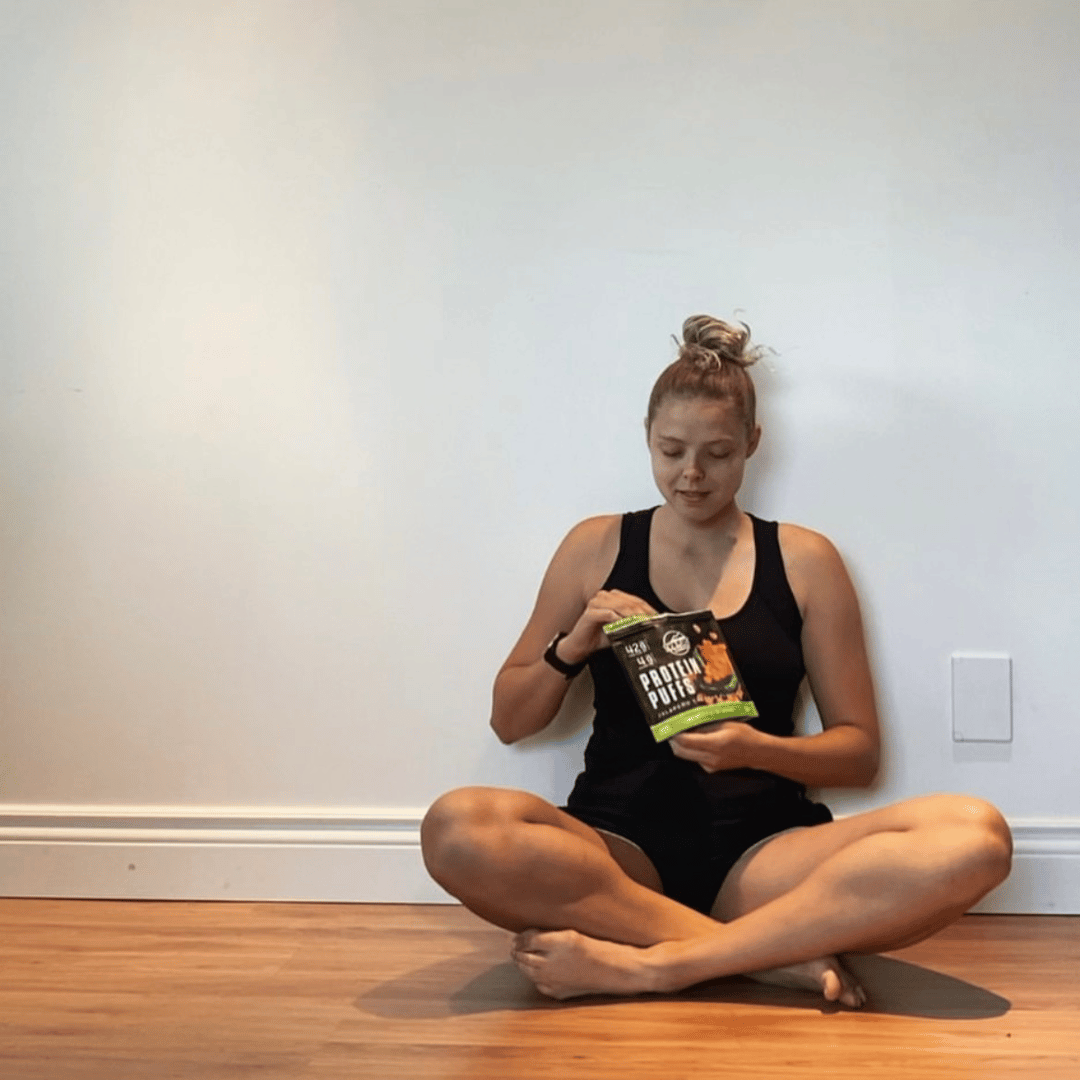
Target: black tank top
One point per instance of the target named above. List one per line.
(625, 767)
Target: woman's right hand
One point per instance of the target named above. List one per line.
(527, 694)
(606, 606)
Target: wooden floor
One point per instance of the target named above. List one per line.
(164, 991)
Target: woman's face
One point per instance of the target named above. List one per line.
(699, 448)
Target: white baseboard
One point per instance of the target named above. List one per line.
(1045, 878)
(367, 855)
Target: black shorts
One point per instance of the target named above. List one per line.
(693, 862)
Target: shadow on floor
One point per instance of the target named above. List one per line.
(471, 984)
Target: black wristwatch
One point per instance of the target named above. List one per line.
(561, 666)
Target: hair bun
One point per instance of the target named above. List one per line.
(709, 342)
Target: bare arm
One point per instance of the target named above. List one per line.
(528, 691)
(846, 752)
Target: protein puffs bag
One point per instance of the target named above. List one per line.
(681, 670)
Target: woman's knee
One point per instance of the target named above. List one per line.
(995, 838)
(458, 826)
(989, 837)
(977, 812)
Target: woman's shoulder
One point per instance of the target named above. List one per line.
(597, 525)
(589, 550)
(804, 543)
(811, 560)
(593, 537)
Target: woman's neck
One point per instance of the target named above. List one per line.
(717, 534)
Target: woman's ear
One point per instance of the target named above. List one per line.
(755, 438)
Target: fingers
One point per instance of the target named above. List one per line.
(704, 740)
(699, 748)
(679, 748)
(622, 603)
(605, 606)
(610, 606)
(690, 754)
(691, 747)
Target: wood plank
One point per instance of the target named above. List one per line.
(101, 990)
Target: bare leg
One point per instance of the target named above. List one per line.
(826, 974)
(866, 884)
(519, 862)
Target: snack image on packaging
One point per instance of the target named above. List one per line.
(681, 670)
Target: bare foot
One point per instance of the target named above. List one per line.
(565, 964)
(826, 975)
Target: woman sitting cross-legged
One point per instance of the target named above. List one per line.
(702, 856)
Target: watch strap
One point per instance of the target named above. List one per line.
(551, 657)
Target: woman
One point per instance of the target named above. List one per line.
(702, 856)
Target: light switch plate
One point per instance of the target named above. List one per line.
(981, 697)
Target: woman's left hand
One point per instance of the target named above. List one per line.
(727, 746)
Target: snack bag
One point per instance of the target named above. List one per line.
(681, 670)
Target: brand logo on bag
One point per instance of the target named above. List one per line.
(676, 643)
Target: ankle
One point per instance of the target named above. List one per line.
(659, 968)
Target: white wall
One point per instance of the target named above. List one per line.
(321, 323)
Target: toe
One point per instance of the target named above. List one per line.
(525, 939)
(830, 985)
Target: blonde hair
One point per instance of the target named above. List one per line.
(712, 363)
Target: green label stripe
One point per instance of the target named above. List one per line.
(703, 714)
(611, 627)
